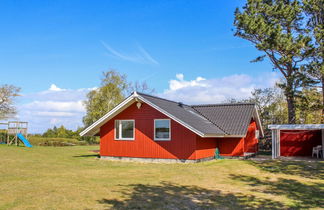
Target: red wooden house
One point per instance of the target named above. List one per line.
(146, 127)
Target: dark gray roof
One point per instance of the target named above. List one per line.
(234, 119)
(221, 119)
(184, 113)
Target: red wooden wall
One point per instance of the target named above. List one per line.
(250, 141)
(181, 146)
(205, 147)
(299, 142)
(184, 143)
(237, 146)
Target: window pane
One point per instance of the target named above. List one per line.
(117, 128)
(162, 129)
(127, 129)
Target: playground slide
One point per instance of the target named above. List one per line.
(24, 140)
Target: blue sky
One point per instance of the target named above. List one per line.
(56, 50)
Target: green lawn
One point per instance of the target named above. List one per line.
(73, 178)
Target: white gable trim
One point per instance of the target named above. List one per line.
(258, 121)
(95, 127)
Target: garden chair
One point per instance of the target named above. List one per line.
(317, 151)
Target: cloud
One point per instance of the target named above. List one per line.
(55, 88)
(68, 106)
(146, 55)
(55, 114)
(215, 90)
(141, 56)
(181, 83)
(54, 106)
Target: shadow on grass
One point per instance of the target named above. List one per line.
(307, 169)
(303, 196)
(85, 156)
(172, 196)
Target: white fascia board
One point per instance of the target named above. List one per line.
(259, 121)
(296, 127)
(95, 127)
(222, 136)
(89, 131)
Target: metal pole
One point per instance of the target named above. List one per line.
(278, 143)
(273, 139)
(323, 143)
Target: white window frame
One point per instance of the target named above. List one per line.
(163, 139)
(120, 131)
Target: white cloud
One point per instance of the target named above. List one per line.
(55, 88)
(140, 56)
(181, 83)
(55, 114)
(68, 106)
(54, 106)
(215, 90)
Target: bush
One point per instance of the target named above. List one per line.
(43, 141)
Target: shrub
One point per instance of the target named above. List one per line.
(43, 141)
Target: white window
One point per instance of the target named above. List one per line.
(124, 129)
(162, 130)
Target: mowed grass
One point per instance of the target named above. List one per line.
(74, 178)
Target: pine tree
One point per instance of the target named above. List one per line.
(275, 27)
(314, 10)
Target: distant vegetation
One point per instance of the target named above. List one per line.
(44, 141)
(61, 136)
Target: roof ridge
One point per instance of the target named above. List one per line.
(162, 98)
(177, 102)
(222, 129)
(223, 104)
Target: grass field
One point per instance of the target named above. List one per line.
(73, 178)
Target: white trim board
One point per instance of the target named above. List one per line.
(95, 127)
(296, 127)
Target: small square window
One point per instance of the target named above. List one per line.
(162, 130)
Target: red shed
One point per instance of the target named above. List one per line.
(145, 127)
(296, 140)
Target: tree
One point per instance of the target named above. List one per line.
(308, 106)
(7, 95)
(275, 27)
(106, 97)
(314, 10)
(270, 103)
(140, 87)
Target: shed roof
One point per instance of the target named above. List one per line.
(296, 127)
